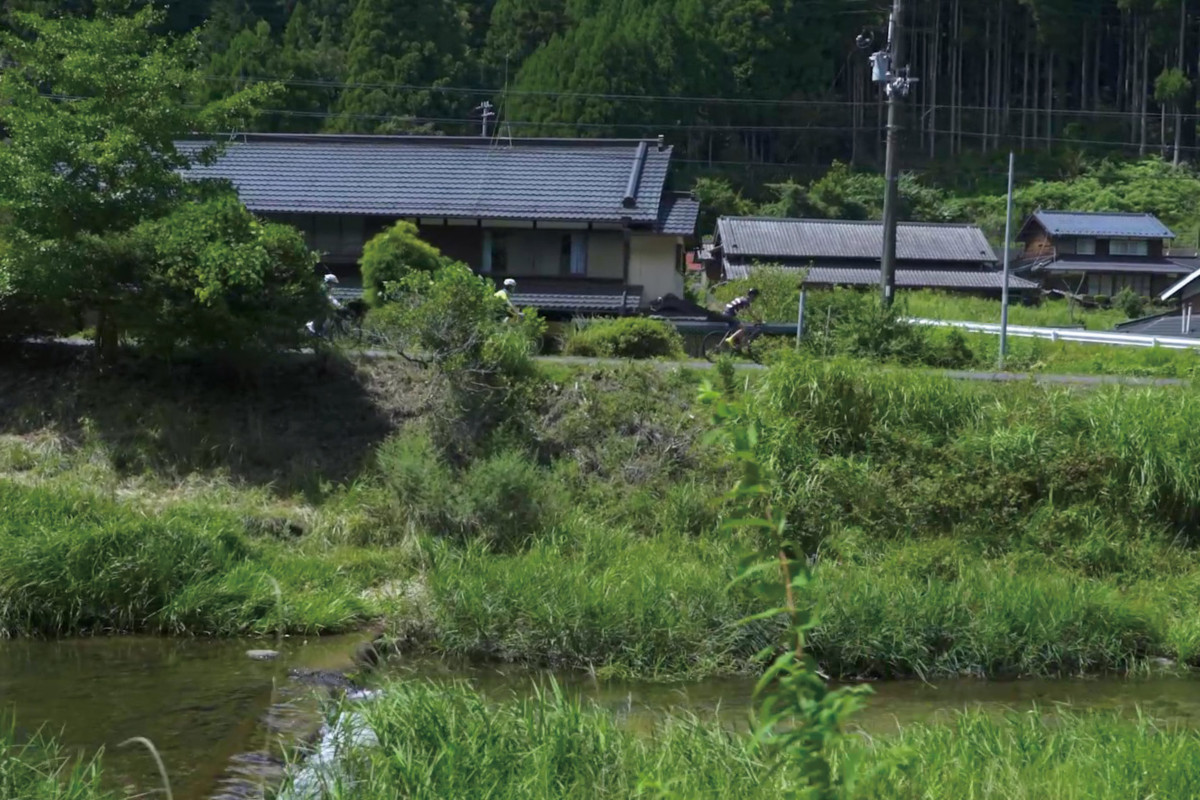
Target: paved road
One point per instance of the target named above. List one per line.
(966, 375)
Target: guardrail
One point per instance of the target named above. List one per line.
(1067, 334)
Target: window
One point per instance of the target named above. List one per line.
(1085, 246)
(572, 258)
(564, 256)
(495, 253)
(1129, 247)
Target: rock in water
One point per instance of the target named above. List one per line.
(262, 655)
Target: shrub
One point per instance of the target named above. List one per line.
(216, 278)
(419, 482)
(628, 337)
(506, 499)
(1130, 302)
(391, 256)
(452, 322)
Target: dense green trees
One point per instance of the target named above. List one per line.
(98, 217)
(736, 83)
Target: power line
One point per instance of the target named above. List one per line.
(734, 101)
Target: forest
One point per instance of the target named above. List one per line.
(757, 88)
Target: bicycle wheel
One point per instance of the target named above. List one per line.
(714, 345)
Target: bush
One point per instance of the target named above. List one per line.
(452, 322)
(419, 482)
(216, 278)
(1130, 302)
(628, 337)
(506, 499)
(391, 256)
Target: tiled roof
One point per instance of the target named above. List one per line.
(797, 239)
(1101, 223)
(1164, 326)
(1080, 264)
(932, 278)
(417, 176)
(578, 299)
(678, 214)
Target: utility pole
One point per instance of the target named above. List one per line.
(486, 112)
(1012, 168)
(886, 70)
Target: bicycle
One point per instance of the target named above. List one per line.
(716, 344)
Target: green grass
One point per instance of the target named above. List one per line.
(38, 768)
(72, 562)
(449, 741)
(956, 528)
(1050, 313)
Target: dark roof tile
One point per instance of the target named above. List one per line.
(932, 278)
(767, 238)
(678, 214)
(1102, 223)
(576, 180)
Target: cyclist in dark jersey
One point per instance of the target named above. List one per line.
(732, 310)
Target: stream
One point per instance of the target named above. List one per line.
(218, 718)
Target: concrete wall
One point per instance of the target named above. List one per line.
(652, 266)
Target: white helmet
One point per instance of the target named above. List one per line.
(509, 283)
(330, 278)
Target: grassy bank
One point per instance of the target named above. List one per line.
(953, 527)
(39, 768)
(72, 562)
(449, 742)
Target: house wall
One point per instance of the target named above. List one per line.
(1110, 284)
(652, 266)
(531, 252)
(1039, 245)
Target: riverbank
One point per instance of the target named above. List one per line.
(431, 741)
(954, 528)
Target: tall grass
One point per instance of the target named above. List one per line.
(449, 741)
(1049, 313)
(71, 562)
(37, 768)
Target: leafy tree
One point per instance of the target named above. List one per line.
(451, 321)
(93, 109)
(390, 256)
(719, 199)
(517, 28)
(221, 280)
(309, 57)
(399, 53)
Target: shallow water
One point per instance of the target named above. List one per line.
(218, 717)
(209, 709)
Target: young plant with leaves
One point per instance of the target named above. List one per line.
(797, 717)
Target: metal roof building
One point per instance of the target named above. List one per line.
(847, 253)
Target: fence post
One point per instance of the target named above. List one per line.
(800, 317)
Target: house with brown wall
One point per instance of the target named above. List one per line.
(1098, 253)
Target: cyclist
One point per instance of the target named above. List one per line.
(505, 293)
(320, 326)
(733, 309)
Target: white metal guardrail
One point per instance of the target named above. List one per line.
(1067, 334)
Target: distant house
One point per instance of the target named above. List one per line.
(584, 225)
(1099, 253)
(847, 253)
